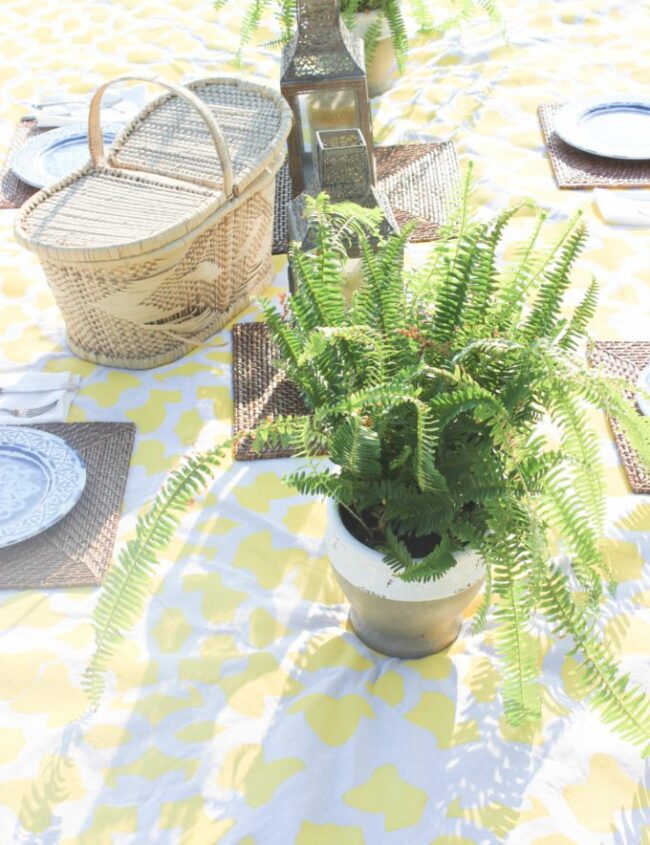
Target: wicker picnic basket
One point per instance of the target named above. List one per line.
(152, 248)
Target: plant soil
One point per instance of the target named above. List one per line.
(370, 535)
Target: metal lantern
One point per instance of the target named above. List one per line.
(324, 81)
(343, 172)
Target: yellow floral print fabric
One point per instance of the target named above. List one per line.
(243, 709)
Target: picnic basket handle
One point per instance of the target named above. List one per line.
(96, 140)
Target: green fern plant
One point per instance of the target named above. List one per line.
(450, 402)
(394, 13)
(126, 588)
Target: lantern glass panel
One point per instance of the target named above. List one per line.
(324, 109)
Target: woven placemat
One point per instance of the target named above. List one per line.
(625, 359)
(282, 197)
(421, 182)
(575, 169)
(259, 390)
(13, 192)
(78, 550)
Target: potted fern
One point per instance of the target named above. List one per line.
(382, 24)
(450, 403)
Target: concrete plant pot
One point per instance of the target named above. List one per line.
(383, 65)
(393, 616)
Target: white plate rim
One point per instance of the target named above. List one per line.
(22, 163)
(59, 504)
(567, 118)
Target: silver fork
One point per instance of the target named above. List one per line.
(28, 413)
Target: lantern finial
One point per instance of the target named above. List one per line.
(323, 46)
(315, 16)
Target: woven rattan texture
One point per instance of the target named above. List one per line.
(161, 262)
(112, 207)
(282, 199)
(421, 182)
(14, 192)
(260, 390)
(78, 550)
(625, 359)
(171, 138)
(147, 312)
(574, 169)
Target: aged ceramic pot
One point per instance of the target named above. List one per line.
(393, 616)
(383, 64)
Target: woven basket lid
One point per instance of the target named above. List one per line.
(163, 177)
(170, 137)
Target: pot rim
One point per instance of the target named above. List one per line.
(364, 567)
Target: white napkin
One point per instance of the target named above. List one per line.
(65, 109)
(625, 208)
(22, 391)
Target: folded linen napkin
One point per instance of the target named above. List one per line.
(65, 109)
(26, 391)
(624, 208)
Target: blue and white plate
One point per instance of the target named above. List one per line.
(643, 382)
(45, 159)
(614, 127)
(41, 480)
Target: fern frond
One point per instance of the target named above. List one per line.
(356, 447)
(608, 394)
(321, 483)
(286, 15)
(126, 587)
(564, 510)
(514, 644)
(622, 706)
(422, 14)
(583, 314)
(413, 513)
(479, 622)
(453, 291)
(250, 23)
(580, 444)
(355, 351)
(371, 38)
(521, 696)
(393, 13)
(319, 300)
(429, 568)
(542, 320)
(484, 280)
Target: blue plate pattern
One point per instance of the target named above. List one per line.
(613, 127)
(52, 156)
(41, 479)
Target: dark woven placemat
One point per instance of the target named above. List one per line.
(625, 359)
(575, 169)
(78, 550)
(282, 197)
(259, 390)
(421, 182)
(13, 192)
